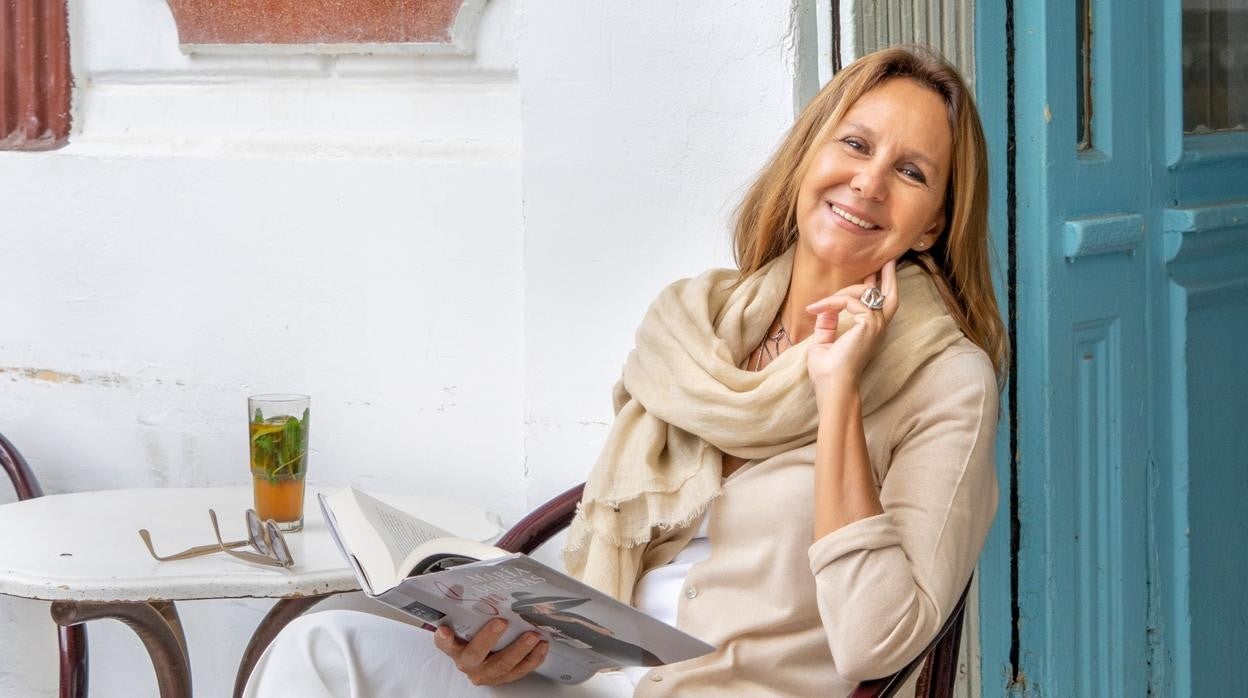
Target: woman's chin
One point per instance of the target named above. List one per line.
(827, 251)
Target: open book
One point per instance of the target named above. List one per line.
(443, 580)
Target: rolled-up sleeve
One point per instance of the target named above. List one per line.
(887, 583)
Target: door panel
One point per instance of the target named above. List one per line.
(1128, 248)
(1202, 482)
(1081, 193)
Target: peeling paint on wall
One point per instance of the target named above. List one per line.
(47, 375)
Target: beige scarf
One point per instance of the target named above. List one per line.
(683, 401)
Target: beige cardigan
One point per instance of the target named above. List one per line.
(793, 619)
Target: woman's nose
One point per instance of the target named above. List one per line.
(868, 183)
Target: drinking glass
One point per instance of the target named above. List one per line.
(278, 442)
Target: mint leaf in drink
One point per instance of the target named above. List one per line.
(293, 450)
(279, 446)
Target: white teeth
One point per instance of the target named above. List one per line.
(852, 218)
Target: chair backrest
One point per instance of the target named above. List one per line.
(73, 639)
(939, 659)
(19, 472)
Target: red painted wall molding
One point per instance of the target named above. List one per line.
(35, 76)
(330, 26)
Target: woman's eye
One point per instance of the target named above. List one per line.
(915, 174)
(854, 143)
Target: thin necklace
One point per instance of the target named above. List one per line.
(772, 342)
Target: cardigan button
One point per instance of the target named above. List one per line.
(656, 677)
(691, 592)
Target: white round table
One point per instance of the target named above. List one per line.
(82, 551)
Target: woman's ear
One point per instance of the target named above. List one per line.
(929, 236)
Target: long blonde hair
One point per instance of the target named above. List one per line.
(958, 262)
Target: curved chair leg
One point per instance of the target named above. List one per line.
(278, 617)
(73, 641)
(157, 626)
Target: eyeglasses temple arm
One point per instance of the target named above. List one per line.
(196, 551)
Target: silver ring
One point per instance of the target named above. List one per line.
(873, 298)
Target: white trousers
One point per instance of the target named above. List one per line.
(349, 654)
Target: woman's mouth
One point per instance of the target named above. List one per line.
(846, 215)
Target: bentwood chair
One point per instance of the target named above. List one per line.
(73, 640)
(938, 664)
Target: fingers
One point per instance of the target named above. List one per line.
(837, 303)
(888, 286)
(825, 325)
(529, 664)
(506, 661)
(885, 280)
(478, 648)
(888, 278)
(849, 299)
(474, 659)
(856, 290)
(831, 304)
(444, 639)
(827, 312)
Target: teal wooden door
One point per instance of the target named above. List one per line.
(1118, 563)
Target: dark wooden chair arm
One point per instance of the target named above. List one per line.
(939, 661)
(542, 523)
(73, 640)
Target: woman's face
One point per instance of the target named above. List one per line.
(877, 187)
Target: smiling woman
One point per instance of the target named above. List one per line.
(894, 136)
(876, 188)
(800, 469)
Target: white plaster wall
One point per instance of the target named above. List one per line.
(642, 125)
(449, 253)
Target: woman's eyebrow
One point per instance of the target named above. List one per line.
(921, 158)
(906, 154)
(866, 130)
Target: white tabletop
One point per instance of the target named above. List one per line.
(85, 546)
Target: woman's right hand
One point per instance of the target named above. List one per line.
(483, 668)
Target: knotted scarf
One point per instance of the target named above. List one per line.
(684, 400)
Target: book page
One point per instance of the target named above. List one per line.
(377, 536)
(399, 531)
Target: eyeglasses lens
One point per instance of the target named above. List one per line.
(280, 550)
(258, 534)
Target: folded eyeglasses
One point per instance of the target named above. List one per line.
(263, 536)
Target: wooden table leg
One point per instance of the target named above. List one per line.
(278, 617)
(169, 612)
(158, 627)
(73, 643)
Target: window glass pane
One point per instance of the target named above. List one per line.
(1215, 65)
